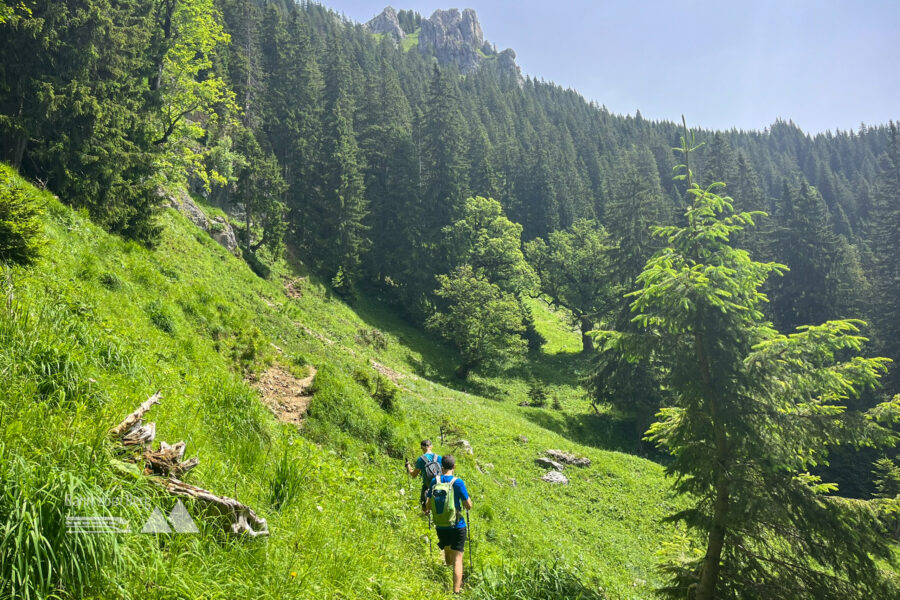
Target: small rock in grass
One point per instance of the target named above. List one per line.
(555, 477)
(549, 463)
(568, 459)
(464, 445)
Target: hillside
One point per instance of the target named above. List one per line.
(99, 324)
(320, 241)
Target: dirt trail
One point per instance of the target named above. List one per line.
(285, 395)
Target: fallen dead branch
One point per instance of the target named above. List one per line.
(243, 519)
(167, 461)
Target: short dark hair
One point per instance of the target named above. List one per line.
(448, 462)
(426, 443)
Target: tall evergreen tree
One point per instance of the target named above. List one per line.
(74, 105)
(753, 411)
(335, 233)
(443, 153)
(885, 248)
(806, 242)
(391, 179)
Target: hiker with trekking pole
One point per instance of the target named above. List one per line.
(448, 497)
(428, 466)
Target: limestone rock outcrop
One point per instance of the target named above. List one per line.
(387, 23)
(453, 37)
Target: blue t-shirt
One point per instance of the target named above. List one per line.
(460, 493)
(420, 465)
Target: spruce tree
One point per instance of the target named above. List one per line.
(804, 239)
(885, 246)
(390, 179)
(335, 233)
(752, 412)
(443, 153)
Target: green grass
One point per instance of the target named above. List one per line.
(410, 41)
(99, 324)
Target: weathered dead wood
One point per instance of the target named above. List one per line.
(241, 517)
(167, 460)
(140, 434)
(136, 416)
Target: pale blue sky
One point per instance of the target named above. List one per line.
(827, 64)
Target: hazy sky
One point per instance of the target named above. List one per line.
(825, 64)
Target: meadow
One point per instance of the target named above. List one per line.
(98, 324)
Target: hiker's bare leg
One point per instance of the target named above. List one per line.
(455, 558)
(448, 559)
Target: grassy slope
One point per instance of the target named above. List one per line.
(411, 40)
(99, 324)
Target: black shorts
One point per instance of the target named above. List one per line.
(455, 537)
(423, 496)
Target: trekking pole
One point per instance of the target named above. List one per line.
(430, 553)
(469, 523)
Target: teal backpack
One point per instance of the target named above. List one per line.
(443, 499)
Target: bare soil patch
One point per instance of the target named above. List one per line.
(293, 288)
(285, 395)
(387, 371)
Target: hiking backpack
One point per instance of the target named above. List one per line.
(432, 469)
(443, 497)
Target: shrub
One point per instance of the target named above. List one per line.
(250, 348)
(385, 393)
(537, 394)
(110, 281)
(363, 378)
(371, 337)
(21, 229)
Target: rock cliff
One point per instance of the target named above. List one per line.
(453, 36)
(387, 23)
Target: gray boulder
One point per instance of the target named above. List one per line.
(463, 445)
(218, 228)
(387, 23)
(221, 231)
(555, 477)
(183, 203)
(549, 464)
(568, 459)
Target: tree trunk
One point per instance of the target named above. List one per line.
(709, 571)
(587, 342)
(22, 139)
(463, 370)
(19, 151)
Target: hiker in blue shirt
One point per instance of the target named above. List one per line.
(448, 497)
(428, 466)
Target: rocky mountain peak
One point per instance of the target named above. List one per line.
(453, 36)
(387, 23)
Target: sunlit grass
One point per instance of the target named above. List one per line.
(99, 324)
